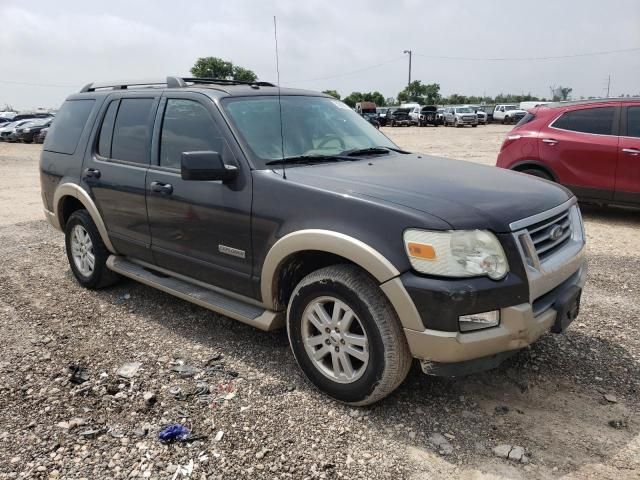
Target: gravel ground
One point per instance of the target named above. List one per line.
(570, 401)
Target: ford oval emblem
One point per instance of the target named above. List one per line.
(556, 232)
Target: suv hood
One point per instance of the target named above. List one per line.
(463, 194)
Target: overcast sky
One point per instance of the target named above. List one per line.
(57, 46)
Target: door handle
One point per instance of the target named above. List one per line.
(163, 188)
(92, 173)
(550, 141)
(631, 151)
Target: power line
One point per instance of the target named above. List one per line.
(364, 69)
(508, 59)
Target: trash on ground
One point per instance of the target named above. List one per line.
(129, 370)
(78, 373)
(174, 433)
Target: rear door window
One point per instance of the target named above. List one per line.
(68, 126)
(132, 130)
(597, 121)
(633, 122)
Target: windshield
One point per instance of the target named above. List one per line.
(310, 126)
(464, 110)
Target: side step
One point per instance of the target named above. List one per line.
(213, 300)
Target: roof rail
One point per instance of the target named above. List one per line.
(170, 82)
(224, 81)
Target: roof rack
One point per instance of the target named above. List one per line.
(169, 82)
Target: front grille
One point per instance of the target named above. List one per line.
(548, 236)
(468, 118)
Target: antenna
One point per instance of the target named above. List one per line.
(275, 35)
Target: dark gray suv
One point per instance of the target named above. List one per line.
(286, 208)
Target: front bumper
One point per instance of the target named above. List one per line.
(528, 300)
(519, 327)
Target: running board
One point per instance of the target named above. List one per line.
(234, 308)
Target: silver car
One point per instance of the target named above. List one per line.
(460, 116)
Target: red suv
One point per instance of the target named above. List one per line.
(592, 147)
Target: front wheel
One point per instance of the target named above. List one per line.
(346, 336)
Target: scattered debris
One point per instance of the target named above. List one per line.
(185, 371)
(128, 370)
(174, 433)
(79, 374)
(440, 443)
(219, 436)
(610, 398)
(149, 398)
(510, 452)
(502, 409)
(73, 423)
(618, 424)
(92, 433)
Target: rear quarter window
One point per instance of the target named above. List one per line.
(529, 117)
(66, 128)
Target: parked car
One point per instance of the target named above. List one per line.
(440, 115)
(372, 118)
(368, 254)
(382, 115)
(459, 117)
(415, 111)
(429, 116)
(27, 132)
(591, 147)
(399, 117)
(504, 113)
(8, 130)
(481, 114)
(27, 116)
(42, 135)
(488, 109)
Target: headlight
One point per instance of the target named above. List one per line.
(26, 130)
(456, 253)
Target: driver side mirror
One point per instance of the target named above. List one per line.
(206, 165)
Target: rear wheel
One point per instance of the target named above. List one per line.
(536, 172)
(345, 335)
(86, 252)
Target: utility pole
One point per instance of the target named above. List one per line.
(409, 52)
(608, 85)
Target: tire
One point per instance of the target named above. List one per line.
(456, 124)
(474, 126)
(99, 276)
(386, 357)
(536, 172)
(392, 124)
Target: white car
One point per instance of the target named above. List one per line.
(508, 113)
(481, 114)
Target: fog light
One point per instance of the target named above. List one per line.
(479, 321)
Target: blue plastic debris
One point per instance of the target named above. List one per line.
(174, 433)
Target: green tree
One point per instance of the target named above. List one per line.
(375, 97)
(355, 97)
(214, 67)
(352, 99)
(333, 93)
(418, 92)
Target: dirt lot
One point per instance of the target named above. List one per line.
(548, 399)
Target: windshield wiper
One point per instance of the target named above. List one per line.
(371, 151)
(308, 159)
